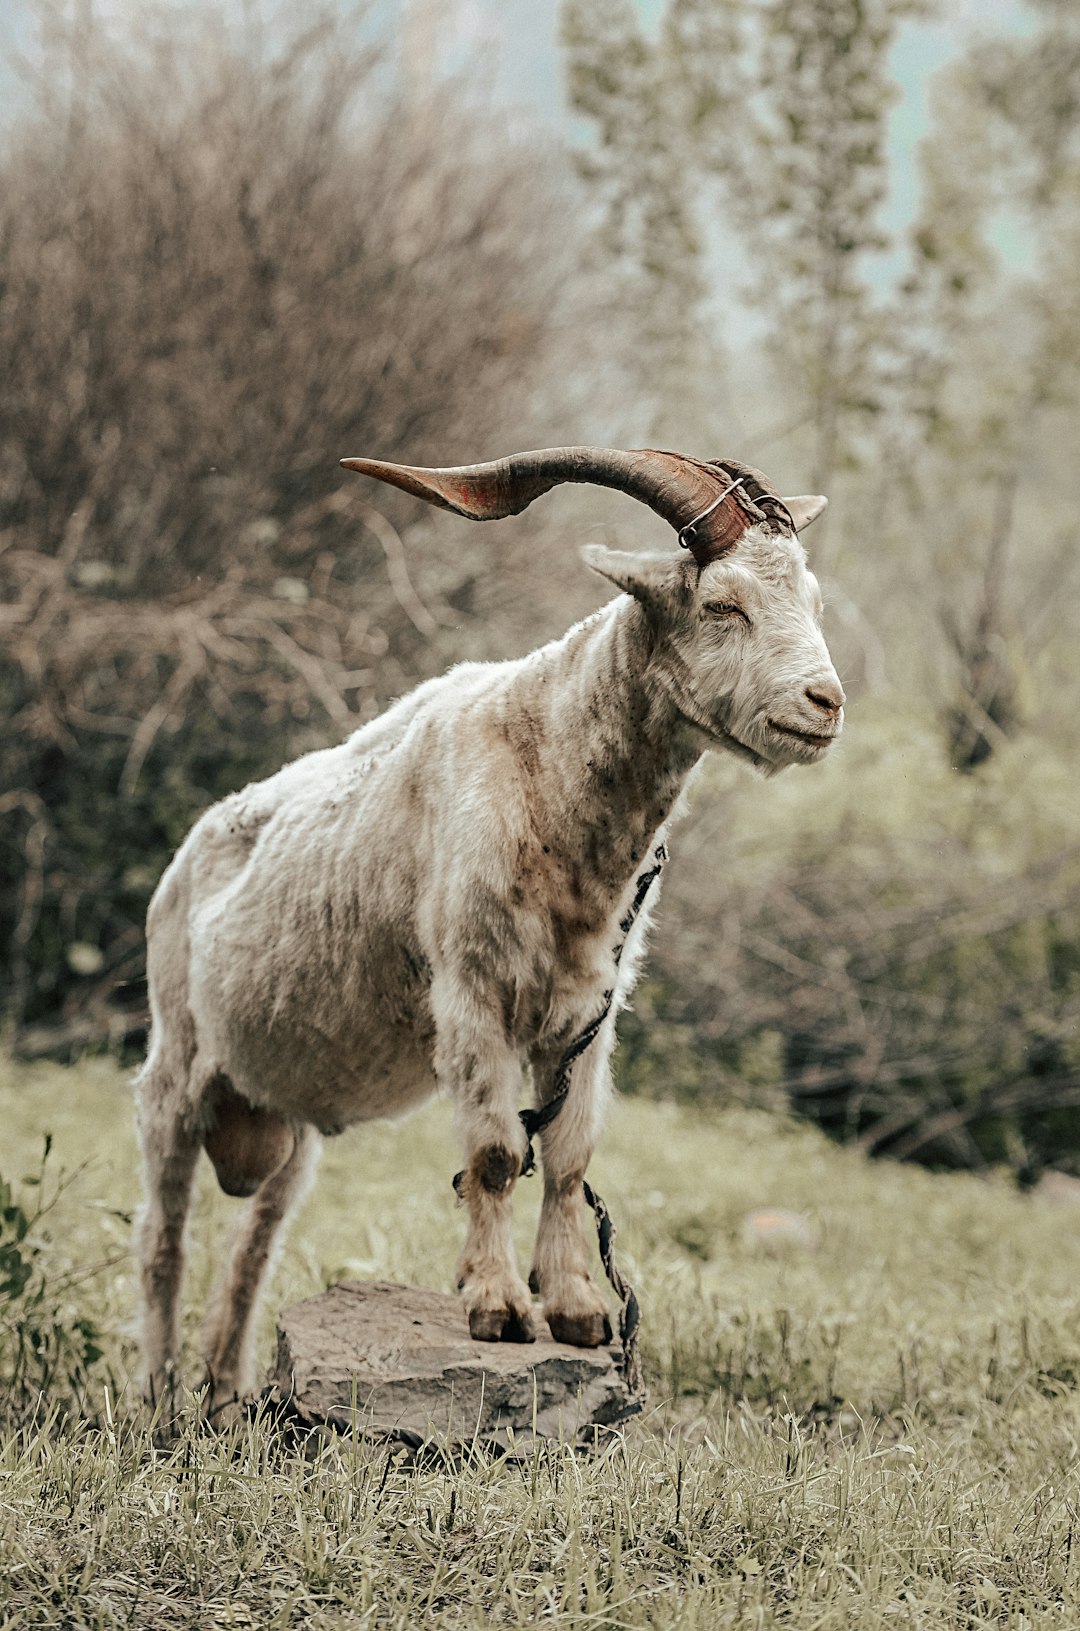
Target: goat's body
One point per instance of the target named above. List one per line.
(436, 901)
(318, 905)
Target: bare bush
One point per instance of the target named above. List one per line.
(216, 280)
(910, 981)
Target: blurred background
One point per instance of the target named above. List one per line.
(839, 239)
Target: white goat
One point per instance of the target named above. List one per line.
(437, 900)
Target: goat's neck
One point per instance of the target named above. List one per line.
(614, 752)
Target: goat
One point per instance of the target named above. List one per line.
(436, 901)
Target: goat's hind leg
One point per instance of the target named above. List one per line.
(170, 1139)
(230, 1326)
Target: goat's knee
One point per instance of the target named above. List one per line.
(492, 1170)
(496, 1298)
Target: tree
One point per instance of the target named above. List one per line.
(652, 234)
(993, 374)
(818, 182)
(762, 121)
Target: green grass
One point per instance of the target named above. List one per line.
(884, 1432)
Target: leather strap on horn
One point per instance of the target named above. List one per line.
(682, 490)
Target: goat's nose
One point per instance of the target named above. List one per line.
(826, 693)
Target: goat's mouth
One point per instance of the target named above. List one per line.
(812, 739)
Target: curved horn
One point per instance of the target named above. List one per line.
(684, 491)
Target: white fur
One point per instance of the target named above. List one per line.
(435, 903)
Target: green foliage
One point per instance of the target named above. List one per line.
(15, 1263)
(49, 1344)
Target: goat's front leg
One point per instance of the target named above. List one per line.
(475, 1064)
(573, 1305)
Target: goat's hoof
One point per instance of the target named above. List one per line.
(501, 1325)
(580, 1330)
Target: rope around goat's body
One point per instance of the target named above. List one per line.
(535, 1120)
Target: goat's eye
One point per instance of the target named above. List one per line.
(726, 611)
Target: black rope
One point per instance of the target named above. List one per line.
(630, 1311)
(535, 1120)
(644, 884)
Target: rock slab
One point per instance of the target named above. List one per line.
(398, 1361)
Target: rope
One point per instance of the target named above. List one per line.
(535, 1120)
(630, 1311)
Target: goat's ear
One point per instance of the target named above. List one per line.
(806, 508)
(658, 581)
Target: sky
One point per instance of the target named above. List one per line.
(514, 45)
(520, 37)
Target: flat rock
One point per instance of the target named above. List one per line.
(399, 1361)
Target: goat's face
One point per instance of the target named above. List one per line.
(738, 646)
(735, 637)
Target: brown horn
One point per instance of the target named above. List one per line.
(709, 505)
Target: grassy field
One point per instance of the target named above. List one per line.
(881, 1432)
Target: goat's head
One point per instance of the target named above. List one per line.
(736, 618)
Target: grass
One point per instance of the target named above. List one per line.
(883, 1432)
